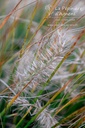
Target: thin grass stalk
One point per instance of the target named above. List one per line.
(65, 57)
(21, 121)
(49, 102)
(8, 16)
(81, 110)
(81, 121)
(59, 65)
(48, 13)
(13, 99)
(70, 102)
(65, 97)
(30, 24)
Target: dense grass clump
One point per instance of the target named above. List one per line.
(42, 64)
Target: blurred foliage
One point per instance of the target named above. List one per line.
(15, 35)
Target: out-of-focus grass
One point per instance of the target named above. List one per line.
(25, 28)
